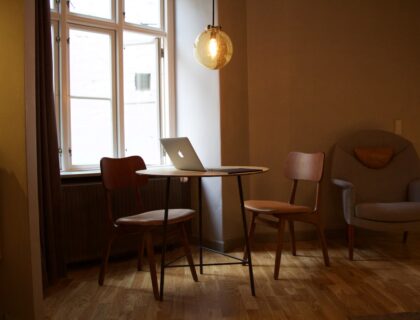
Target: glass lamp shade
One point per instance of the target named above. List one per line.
(213, 48)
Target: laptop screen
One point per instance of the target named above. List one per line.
(182, 154)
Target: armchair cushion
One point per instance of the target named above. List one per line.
(374, 157)
(389, 212)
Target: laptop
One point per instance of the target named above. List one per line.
(183, 156)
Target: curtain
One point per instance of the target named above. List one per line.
(53, 263)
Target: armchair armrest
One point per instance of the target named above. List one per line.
(347, 197)
(414, 191)
(342, 183)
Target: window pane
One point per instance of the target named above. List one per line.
(52, 6)
(141, 107)
(91, 131)
(94, 8)
(90, 64)
(143, 12)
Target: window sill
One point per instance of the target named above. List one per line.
(96, 173)
(80, 174)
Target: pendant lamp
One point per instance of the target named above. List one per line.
(213, 47)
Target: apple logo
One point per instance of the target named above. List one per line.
(180, 154)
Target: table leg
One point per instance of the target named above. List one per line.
(165, 224)
(248, 250)
(200, 225)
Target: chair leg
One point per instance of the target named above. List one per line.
(405, 236)
(280, 234)
(292, 236)
(187, 251)
(105, 258)
(152, 264)
(141, 253)
(323, 242)
(250, 234)
(350, 239)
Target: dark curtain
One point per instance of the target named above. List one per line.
(53, 264)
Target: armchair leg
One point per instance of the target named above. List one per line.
(292, 236)
(405, 236)
(350, 238)
(280, 234)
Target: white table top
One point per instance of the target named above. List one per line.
(173, 172)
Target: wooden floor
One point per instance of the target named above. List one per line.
(384, 278)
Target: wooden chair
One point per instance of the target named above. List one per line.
(299, 166)
(119, 174)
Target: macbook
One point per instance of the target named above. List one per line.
(183, 156)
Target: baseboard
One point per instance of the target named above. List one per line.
(212, 244)
(301, 235)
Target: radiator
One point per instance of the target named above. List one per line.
(84, 214)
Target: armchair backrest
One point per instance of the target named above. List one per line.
(388, 184)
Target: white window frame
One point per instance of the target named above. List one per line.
(56, 78)
(62, 19)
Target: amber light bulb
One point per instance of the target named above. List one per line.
(213, 48)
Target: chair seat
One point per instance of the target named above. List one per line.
(156, 217)
(389, 212)
(275, 207)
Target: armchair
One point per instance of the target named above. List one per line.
(378, 173)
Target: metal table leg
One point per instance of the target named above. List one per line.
(200, 225)
(165, 224)
(251, 272)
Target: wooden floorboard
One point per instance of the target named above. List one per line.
(384, 278)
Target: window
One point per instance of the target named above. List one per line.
(111, 79)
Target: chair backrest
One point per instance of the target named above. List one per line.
(120, 174)
(307, 167)
(387, 184)
(304, 166)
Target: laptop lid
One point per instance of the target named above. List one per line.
(182, 154)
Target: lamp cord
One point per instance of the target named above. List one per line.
(213, 14)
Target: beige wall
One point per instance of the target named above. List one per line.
(318, 70)
(234, 115)
(305, 73)
(16, 280)
(198, 109)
